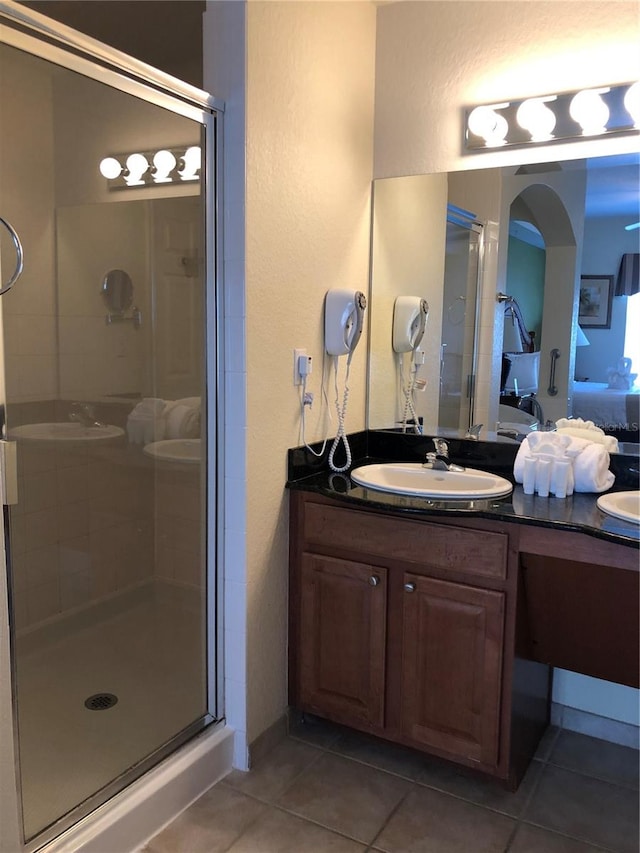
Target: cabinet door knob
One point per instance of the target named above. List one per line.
(374, 580)
(409, 587)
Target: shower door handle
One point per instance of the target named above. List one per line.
(19, 257)
(8, 473)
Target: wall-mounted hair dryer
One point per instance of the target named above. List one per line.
(343, 320)
(410, 315)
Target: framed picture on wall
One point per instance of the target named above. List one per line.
(596, 293)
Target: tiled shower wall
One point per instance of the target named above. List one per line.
(82, 530)
(92, 523)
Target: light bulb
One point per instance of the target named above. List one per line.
(632, 103)
(137, 164)
(110, 168)
(538, 119)
(164, 163)
(490, 125)
(192, 159)
(589, 110)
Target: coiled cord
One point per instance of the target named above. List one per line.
(341, 411)
(409, 404)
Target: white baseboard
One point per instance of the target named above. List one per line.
(133, 816)
(594, 725)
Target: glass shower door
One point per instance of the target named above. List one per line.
(460, 294)
(104, 367)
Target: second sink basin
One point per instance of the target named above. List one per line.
(624, 505)
(66, 431)
(411, 478)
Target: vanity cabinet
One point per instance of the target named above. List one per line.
(343, 608)
(398, 628)
(440, 632)
(452, 638)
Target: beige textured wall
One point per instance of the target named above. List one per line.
(310, 82)
(436, 57)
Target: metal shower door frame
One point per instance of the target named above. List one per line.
(45, 39)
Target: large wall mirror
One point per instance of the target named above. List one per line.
(519, 266)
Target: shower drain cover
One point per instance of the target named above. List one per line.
(100, 701)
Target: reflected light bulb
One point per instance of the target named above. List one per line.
(590, 111)
(538, 119)
(632, 103)
(192, 159)
(487, 123)
(110, 168)
(137, 164)
(164, 163)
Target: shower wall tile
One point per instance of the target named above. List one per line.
(41, 528)
(74, 590)
(73, 520)
(103, 578)
(30, 335)
(73, 484)
(19, 574)
(235, 554)
(42, 565)
(43, 602)
(32, 460)
(18, 534)
(39, 491)
(75, 555)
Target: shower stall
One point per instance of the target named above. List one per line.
(108, 402)
(462, 271)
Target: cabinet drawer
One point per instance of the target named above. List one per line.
(474, 552)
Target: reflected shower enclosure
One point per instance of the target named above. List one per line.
(105, 341)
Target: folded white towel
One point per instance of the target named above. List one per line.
(551, 444)
(145, 422)
(591, 469)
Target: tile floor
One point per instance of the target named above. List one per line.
(326, 789)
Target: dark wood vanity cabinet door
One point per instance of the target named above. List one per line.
(343, 640)
(451, 667)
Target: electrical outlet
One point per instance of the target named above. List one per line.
(297, 379)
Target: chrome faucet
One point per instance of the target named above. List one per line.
(439, 459)
(85, 414)
(474, 432)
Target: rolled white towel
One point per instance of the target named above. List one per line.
(591, 469)
(595, 435)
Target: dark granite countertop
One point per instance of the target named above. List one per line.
(578, 513)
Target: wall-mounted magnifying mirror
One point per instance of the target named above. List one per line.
(117, 291)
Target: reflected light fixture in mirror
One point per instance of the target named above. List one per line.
(149, 168)
(589, 112)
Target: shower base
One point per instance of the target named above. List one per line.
(147, 648)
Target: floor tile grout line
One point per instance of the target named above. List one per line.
(303, 818)
(618, 784)
(592, 776)
(389, 817)
(518, 819)
(581, 839)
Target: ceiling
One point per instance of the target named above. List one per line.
(613, 186)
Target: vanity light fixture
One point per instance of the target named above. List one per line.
(148, 168)
(547, 118)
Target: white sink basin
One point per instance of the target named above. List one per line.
(175, 450)
(65, 431)
(624, 505)
(411, 478)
